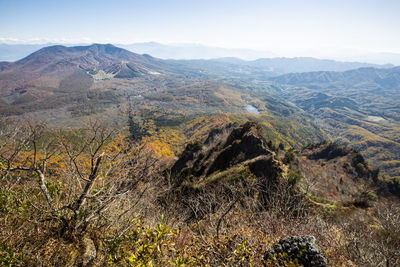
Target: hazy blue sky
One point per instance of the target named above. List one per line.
(278, 25)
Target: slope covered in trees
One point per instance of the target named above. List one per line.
(94, 196)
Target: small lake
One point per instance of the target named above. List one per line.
(375, 118)
(252, 109)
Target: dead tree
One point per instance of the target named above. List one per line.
(100, 179)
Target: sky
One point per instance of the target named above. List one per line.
(283, 26)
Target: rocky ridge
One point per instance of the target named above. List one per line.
(233, 163)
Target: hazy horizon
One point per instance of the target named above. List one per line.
(341, 30)
(12, 51)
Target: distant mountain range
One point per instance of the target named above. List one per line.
(193, 51)
(198, 51)
(77, 67)
(13, 52)
(386, 78)
(359, 108)
(300, 64)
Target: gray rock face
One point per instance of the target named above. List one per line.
(234, 162)
(219, 153)
(298, 249)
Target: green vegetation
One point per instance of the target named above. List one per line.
(289, 157)
(180, 146)
(101, 75)
(354, 109)
(95, 196)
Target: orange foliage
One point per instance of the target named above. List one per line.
(159, 146)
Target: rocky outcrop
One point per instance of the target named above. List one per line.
(326, 150)
(300, 250)
(233, 163)
(354, 170)
(225, 148)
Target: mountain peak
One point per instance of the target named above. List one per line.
(51, 66)
(94, 56)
